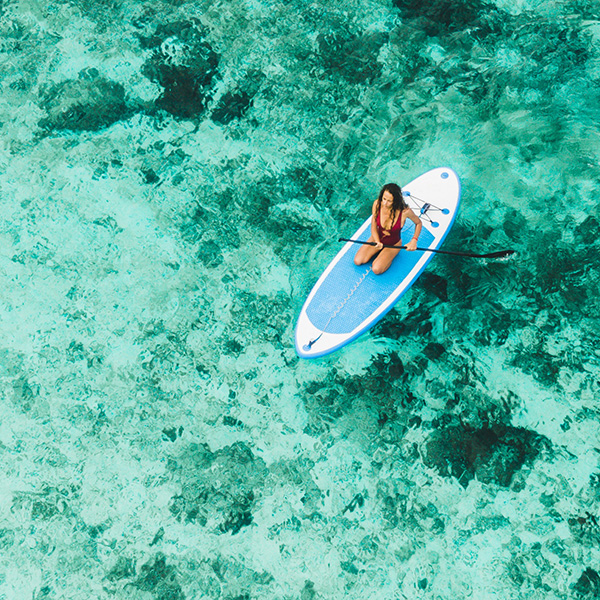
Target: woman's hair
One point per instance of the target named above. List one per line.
(398, 204)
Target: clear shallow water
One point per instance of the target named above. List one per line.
(174, 177)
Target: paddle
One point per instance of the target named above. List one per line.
(499, 254)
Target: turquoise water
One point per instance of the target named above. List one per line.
(173, 179)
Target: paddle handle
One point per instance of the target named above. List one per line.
(374, 244)
(498, 254)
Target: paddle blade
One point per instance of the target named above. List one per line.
(500, 254)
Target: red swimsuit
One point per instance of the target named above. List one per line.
(394, 237)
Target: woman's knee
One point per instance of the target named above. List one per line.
(378, 268)
(360, 259)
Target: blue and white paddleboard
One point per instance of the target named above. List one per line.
(348, 300)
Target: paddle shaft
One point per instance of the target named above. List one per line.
(499, 254)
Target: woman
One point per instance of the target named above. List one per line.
(389, 215)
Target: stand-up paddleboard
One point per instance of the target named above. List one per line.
(347, 300)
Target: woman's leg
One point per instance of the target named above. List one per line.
(382, 263)
(365, 253)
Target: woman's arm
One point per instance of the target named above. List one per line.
(374, 232)
(412, 245)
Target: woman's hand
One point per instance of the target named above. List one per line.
(378, 245)
(412, 245)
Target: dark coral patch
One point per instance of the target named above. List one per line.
(544, 367)
(232, 105)
(433, 350)
(396, 326)
(435, 284)
(172, 433)
(385, 385)
(89, 103)
(589, 231)
(160, 579)
(588, 585)
(235, 103)
(123, 569)
(209, 254)
(221, 487)
(492, 454)
(439, 17)
(48, 503)
(585, 529)
(184, 65)
(354, 57)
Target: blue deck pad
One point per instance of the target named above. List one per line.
(370, 293)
